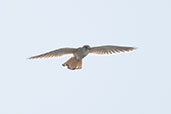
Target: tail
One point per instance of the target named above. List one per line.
(73, 63)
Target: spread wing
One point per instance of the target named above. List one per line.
(55, 53)
(109, 49)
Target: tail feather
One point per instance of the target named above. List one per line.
(73, 63)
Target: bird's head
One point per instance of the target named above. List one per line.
(86, 47)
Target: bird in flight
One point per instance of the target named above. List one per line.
(75, 62)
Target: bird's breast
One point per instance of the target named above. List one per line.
(80, 53)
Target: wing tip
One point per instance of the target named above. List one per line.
(132, 48)
(41, 57)
(31, 58)
(34, 57)
(135, 48)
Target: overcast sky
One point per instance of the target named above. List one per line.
(137, 82)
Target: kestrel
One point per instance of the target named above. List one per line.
(75, 62)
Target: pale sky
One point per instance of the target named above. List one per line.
(137, 82)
